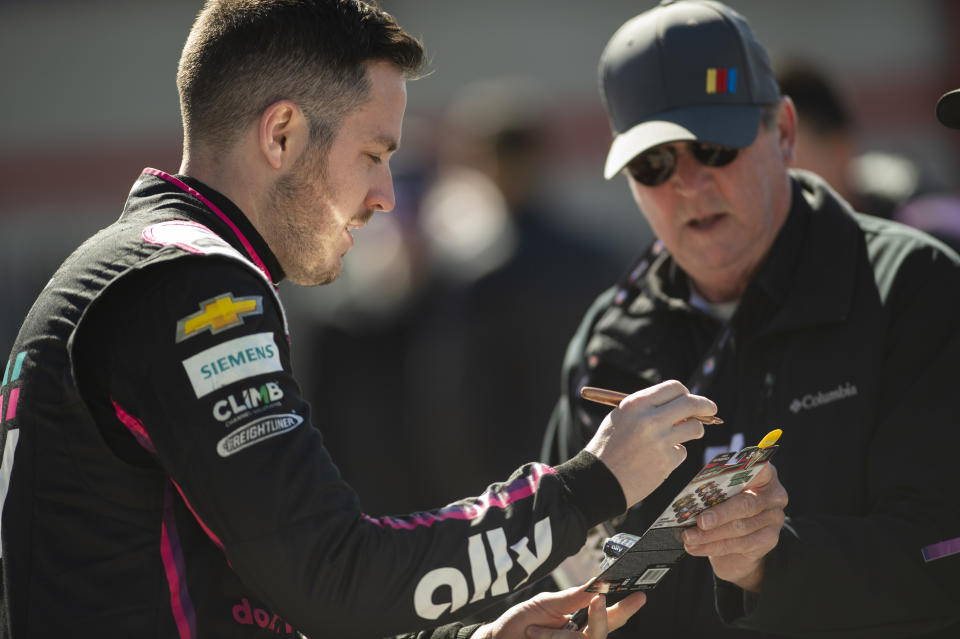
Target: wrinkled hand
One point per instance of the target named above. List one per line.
(737, 534)
(544, 615)
(641, 440)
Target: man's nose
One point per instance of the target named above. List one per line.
(381, 197)
(690, 174)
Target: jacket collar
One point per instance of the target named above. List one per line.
(810, 274)
(212, 209)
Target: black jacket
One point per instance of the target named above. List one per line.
(847, 338)
(166, 480)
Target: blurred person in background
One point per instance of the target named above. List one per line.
(937, 211)
(765, 289)
(878, 182)
(504, 259)
(826, 141)
(161, 472)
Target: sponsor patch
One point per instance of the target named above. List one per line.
(217, 314)
(231, 361)
(447, 589)
(255, 399)
(197, 239)
(257, 431)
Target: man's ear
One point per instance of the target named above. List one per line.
(787, 129)
(283, 133)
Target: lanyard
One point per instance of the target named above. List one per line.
(703, 374)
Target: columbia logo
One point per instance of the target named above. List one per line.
(807, 402)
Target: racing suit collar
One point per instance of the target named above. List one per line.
(246, 228)
(205, 205)
(794, 274)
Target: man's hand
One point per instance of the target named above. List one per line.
(737, 534)
(544, 616)
(641, 440)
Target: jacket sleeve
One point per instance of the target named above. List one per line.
(207, 374)
(884, 573)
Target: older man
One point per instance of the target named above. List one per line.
(767, 291)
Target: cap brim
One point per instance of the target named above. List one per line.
(723, 124)
(948, 109)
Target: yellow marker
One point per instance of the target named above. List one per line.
(770, 438)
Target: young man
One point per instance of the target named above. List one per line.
(160, 473)
(767, 291)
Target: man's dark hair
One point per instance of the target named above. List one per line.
(818, 103)
(243, 55)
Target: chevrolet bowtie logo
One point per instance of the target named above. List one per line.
(218, 314)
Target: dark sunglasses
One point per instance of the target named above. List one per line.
(654, 167)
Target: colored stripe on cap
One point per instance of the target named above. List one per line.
(721, 80)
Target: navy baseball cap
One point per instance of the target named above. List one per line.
(684, 70)
(948, 109)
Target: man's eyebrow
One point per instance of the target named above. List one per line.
(387, 141)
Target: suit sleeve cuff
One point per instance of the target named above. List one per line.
(592, 488)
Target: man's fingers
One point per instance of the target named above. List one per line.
(637, 441)
(718, 540)
(602, 620)
(681, 455)
(597, 618)
(561, 601)
(676, 410)
(741, 506)
(769, 494)
(671, 400)
(686, 430)
(619, 613)
(739, 510)
(660, 394)
(754, 544)
(766, 475)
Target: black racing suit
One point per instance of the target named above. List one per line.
(166, 480)
(848, 339)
